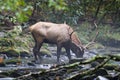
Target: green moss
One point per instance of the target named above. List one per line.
(6, 42)
(12, 61)
(45, 51)
(11, 52)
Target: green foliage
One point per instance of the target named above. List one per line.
(14, 33)
(71, 11)
(84, 32)
(16, 40)
(58, 4)
(45, 51)
(11, 52)
(5, 42)
(106, 32)
(16, 8)
(12, 61)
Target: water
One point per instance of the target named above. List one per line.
(48, 62)
(7, 78)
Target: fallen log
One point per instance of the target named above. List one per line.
(86, 72)
(115, 57)
(115, 67)
(72, 71)
(63, 67)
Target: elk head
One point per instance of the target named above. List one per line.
(76, 45)
(77, 49)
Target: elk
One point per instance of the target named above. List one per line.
(60, 34)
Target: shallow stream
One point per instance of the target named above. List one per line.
(48, 62)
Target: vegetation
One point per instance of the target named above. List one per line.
(99, 66)
(80, 14)
(107, 36)
(85, 16)
(71, 11)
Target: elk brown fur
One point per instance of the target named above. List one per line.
(60, 34)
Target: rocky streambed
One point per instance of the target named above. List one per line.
(97, 64)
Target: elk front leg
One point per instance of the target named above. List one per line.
(36, 50)
(58, 52)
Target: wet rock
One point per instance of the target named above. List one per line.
(11, 65)
(94, 64)
(7, 78)
(115, 77)
(2, 64)
(88, 77)
(44, 52)
(2, 34)
(63, 59)
(2, 76)
(101, 72)
(101, 78)
(24, 54)
(109, 67)
(31, 64)
(77, 60)
(11, 52)
(44, 66)
(88, 55)
(15, 61)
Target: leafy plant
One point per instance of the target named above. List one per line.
(58, 4)
(16, 8)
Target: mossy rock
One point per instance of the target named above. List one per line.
(6, 42)
(2, 64)
(11, 52)
(4, 74)
(13, 61)
(24, 54)
(63, 51)
(44, 51)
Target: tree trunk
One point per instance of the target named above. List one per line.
(98, 8)
(101, 19)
